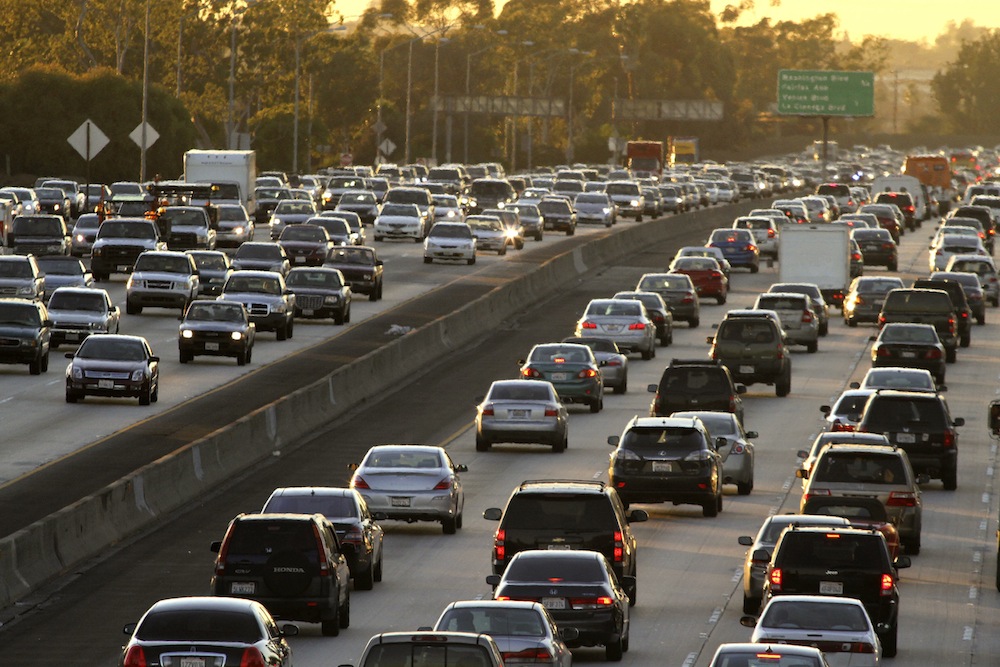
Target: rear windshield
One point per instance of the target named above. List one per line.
(332, 507)
(778, 303)
(753, 223)
(494, 621)
(694, 380)
(831, 551)
(405, 654)
(195, 625)
(521, 391)
(665, 282)
(269, 537)
(913, 300)
(563, 511)
(887, 415)
(259, 251)
(821, 616)
(555, 569)
(672, 440)
(490, 188)
(746, 330)
(419, 197)
(835, 190)
(858, 468)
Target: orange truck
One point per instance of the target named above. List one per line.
(934, 172)
(644, 158)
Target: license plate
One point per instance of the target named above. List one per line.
(746, 369)
(831, 588)
(73, 336)
(520, 414)
(212, 347)
(308, 312)
(908, 355)
(399, 502)
(906, 438)
(559, 377)
(243, 588)
(554, 603)
(613, 327)
(559, 547)
(123, 268)
(300, 260)
(662, 466)
(192, 662)
(105, 384)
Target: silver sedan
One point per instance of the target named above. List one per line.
(412, 483)
(523, 411)
(622, 320)
(737, 454)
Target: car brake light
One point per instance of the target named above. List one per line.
(887, 584)
(588, 325)
(774, 576)
(964, 315)
(881, 320)
(951, 324)
(883, 352)
(689, 298)
(619, 546)
(220, 562)
(933, 354)
(716, 274)
(499, 548)
(613, 362)
(551, 412)
(324, 565)
(815, 492)
(488, 412)
(770, 234)
(591, 603)
(949, 438)
(637, 326)
(503, 597)
(134, 657)
(862, 647)
(587, 373)
(750, 247)
(901, 499)
(443, 485)
(527, 655)
(887, 246)
(359, 483)
(806, 317)
(732, 403)
(530, 373)
(738, 448)
(856, 257)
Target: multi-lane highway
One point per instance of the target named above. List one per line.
(689, 566)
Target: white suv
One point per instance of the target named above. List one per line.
(164, 279)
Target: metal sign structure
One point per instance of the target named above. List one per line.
(826, 93)
(668, 110)
(502, 106)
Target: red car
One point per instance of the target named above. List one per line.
(706, 274)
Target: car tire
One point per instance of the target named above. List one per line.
(965, 340)
(377, 574)
(949, 478)
(44, 363)
(596, 404)
(950, 355)
(428, 260)
(981, 319)
(373, 295)
(344, 614)
(892, 267)
(184, 357)
(694, 322)
(783, 387)
(132, 309)
(419, 239)
(754, 268)
(470, 261)
(539, 236)
(613, 650)
(824, 329)
(622, 387)
(648, 354)
(331, 627)
(378, 238)
(519, 244)
(242, 358)
(35, 366)
(72, 397)
(560, 446)
(812, 347)
(281, 333)
(638, 218)
(750, 605)
(890, 641)
(482, 444)
(347, 315)
(571, 231)
(145, 396)
(711, 508)
(744, 488)
(338, 317)
(449, 526)
(502, 251)
(912, 545)
(721, 299)
(851, 322)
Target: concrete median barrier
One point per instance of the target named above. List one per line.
(84, 530)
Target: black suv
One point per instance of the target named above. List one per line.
(920, 424)
(752, 346)
(845, 562)
(671, 459)
(566, 514)
(963, 312)
(291, 563)
(25, 334)
(696, 384)
(924, 306)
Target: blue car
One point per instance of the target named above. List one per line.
(738, 246)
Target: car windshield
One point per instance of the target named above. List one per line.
(253, 284)
(718, 423)
(620, 188)
(209, 262)
(232, 214)
(553, 206)
(664, 282)
(575, 354)
(111, 349)
(462, 231)
(800, 615)
(877, 286)
(77, 301)
(753, 223)
(906, 334)
(520, 391)
(856, 468)
(314, 278)
(695, 264)
(333, 226)
(60, 267)
(619, 308)
(294, 206)
(331, 506)
(38, 226)
(367, 198)
(404, 210)
(271, 193)
(494, 621)
(361, 256)
(162, 263)
(127, 230)
(215, 312)
(19, 315)
(895, 379)
(259, 251)
(403, 458)
(746, 330)
(184, 217)
(197, 625)
(672, 440)
(19, 268)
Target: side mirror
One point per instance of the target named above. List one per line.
(958, 421)
(47, 323)
(493, 514)
(154, 359)
(752, 435)
(613, 440)
(569, 634)
(461, 467)
(709, 339)
(745, 540)
(638, 516)
(380, 516)
(520, 362)
(493, 580)
(741, 388)
(748, 621)
(628, 583)
(289, 630)
(855, 385)
(214, 547)
(720, 442)
(651, 388)
(69, 355)
(942, 388)
(802, 454)
(902, 562)
(129, 628)
(761, 556)
(825, 409)
(353, 466)
(872, 338)
(802, 473)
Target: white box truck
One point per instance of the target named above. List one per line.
(817, 253)
(235, 172)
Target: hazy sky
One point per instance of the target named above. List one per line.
(912, 20)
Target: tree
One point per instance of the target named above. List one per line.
(967, 89)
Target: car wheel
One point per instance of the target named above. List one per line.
(966, 339)
(892, 267)
(519, 244)
(539, 236)
(185, 357)
(373, 295)
(338, 317)
(625, 640)
(35, 366)
(721, 299)
(145, 396)
(824, 329)
(378, 238)
(242, 358)
(750, 605)
(950, 355)
(471, 261)
(614, 649)
(912, 545)
(560, 445)
(71, 397)
(132, 309)
(55, 346)
(44, 363)
(622, 386)
(331, 627)
(482, 444)
(250, 354)
(365, 581)
(744, 488)
(648, 354)
(571, 231)
(754, 268)
(890, 641)
(281, 333)
(851, 322)
(812, 347)
(428, 260)
(290, 329)
(949, 477)
(419, 239)
(502, 251)
(784, 386)
(448, 526)
(981, 319)
(711, 508)
(718, 500)
(595, 405)
(638, 218)
(378, 570)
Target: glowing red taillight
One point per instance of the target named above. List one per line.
(774, 577)
(807, 317)
(134, 657)
(771, 234)
(588, 325)
(933, 354)
(949, 438)
(530, 373)
(527, 655)
(619, 546)
(887, 584)
(252, 658)
(551, 412)
(443, 485)
(587, 373)
(901, 499)
(636, 326)
(499, 548)
(359, 483)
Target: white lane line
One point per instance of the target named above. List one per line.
(977, 557)
(9, 398)
(986, 498)
(967, 634)
(716, 615)
(983, 525)
(973, 592)
(788, 484)
(689, 660)
(737, 575)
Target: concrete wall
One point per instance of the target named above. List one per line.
(54, 545)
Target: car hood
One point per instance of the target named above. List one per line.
(17, 331)
(213, 325)
(77, 316)
(397, 220)
(108, 365)
(250, 297)
(115, 240)
(53, 280)
(160, 275)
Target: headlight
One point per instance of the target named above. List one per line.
(97, 252)
(80, 238)
(76, 372)
(606, 211)
(138, 374)
(238, 231)
(450, 214)
(333, 298)
(187, 333)
(279, 308)
(275, 221)
(55, 207)
(634, 202)
(27, 290)
(129, 283)
(501, 204)
(510, 233)
(236, 335)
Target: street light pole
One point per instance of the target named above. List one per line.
(230, 128)
(295, 118)
(145, 98)
(409, 96)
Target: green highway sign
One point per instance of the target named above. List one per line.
(826, 93)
